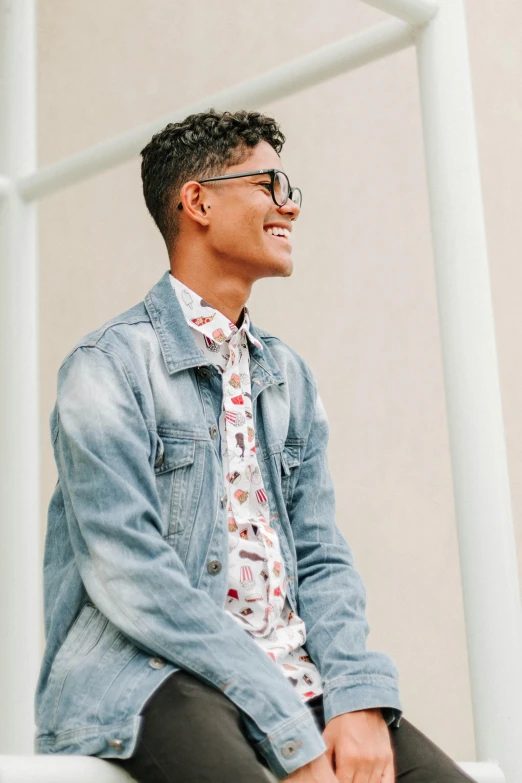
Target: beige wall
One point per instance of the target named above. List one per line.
(360, 306)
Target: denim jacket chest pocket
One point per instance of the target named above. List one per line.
(178, 469)
(291, 457)
(281, 465)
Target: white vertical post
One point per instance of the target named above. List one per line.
(20, 569)
(480, 474)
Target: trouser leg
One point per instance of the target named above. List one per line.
(417, 758)
(192, 733)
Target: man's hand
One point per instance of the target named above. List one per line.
(317, 771)
(359, 748)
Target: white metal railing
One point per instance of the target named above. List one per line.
(288, 79)
(480, 475)
(20, 566)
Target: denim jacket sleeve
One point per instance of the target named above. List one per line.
(103, 451)
(331, 594)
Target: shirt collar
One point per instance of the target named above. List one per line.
(200, 315)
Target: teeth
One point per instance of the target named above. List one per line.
(278, 231)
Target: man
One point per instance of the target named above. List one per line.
(204, 620)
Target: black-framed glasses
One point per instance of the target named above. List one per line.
(279, 185)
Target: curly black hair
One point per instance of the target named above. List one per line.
(203, 145)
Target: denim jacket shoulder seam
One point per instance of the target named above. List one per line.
(103, 350)
(99, 334)
(128, 375)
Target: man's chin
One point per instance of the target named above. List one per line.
(282, 267)
(279, 266)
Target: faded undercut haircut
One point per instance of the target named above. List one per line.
(202, 145)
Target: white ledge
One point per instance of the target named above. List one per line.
(60, 769)
(88, 769)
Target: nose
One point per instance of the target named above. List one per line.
(289, 210)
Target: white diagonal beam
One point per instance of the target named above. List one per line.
(325, 63)
(411, 11)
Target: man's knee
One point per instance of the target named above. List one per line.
(194, 733)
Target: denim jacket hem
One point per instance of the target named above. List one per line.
(114, 741)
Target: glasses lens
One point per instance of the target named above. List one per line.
(281, 188)
(296, 196)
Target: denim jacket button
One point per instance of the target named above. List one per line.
(289, 749)
(214, 567)
(156, 663)
(213, 431)
(117, 744)
(223, 501)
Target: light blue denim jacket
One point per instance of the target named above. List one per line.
(136, 552)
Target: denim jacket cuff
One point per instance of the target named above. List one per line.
(362, 692)
(292, 746)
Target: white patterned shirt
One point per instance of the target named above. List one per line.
(257, 580)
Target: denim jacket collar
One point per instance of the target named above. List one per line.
(179, 348)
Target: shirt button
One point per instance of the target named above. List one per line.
(156, 663)
(117, 744)
(214, 567)
(289, 749)
(204, 372)
(213, 431)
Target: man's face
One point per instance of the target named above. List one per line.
(241, 212)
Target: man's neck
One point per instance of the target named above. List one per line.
(227, 294)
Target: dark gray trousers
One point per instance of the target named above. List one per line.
(192, 733)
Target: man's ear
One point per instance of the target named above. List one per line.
(195, 206)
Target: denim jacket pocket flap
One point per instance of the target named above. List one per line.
(173, 453)
(290, 457)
